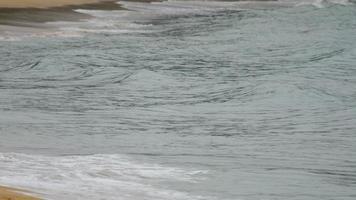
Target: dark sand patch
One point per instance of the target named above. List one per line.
(7, 193)
(31, 16)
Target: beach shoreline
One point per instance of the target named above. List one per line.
(7, 193)
(34, 17)
(42, 4)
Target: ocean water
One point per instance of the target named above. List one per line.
(184, 100)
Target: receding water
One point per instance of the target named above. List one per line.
(177, 100)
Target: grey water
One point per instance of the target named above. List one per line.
(225, 104)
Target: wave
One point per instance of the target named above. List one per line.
(322, 3)
(138, 17)
(100, 176)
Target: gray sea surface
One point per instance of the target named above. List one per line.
(184, 100)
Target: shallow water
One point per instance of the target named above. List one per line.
(184, 100)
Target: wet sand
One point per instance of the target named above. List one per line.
(31, 16)
(14, 194)
(41, 3)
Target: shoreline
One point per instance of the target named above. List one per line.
(7, 193)
(43, 4)
(31, 16)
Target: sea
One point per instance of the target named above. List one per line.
(183, 100)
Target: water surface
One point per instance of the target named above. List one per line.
(184, 100)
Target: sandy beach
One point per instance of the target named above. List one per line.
(41, 3)
(28, 14)
(14, 194)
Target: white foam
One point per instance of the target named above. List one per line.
(93, 177)
(317, 3)
(110, 22)
(9, 38)
(21, 33)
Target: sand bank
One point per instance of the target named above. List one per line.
(41, 3)
(28, 16)
(14, 194)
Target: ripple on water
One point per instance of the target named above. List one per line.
(264, 99)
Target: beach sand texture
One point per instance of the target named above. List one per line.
(41, 3)
(24, 16)
(14, 194)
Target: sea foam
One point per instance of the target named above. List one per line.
(101, 176)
